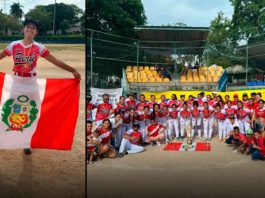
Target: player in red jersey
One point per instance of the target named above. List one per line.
(243, 117)
(235, 99)
(190, 101)
(144, 120)
(131, 141)
(245, 100)
(210, 101)
(236, 139)
(208, 121)
(130, 118)
(173, 122)
(259, 117)
(141, 104)
(173, 101)
(220, 116)
(103, 110)
(156, 112)
(258, 147)
(120, 105)
(90, 107)
(163, 101)
(245, 147)
(196, 121)
(131, 102)
(155, 132)
(182, 100)
(220, 101)
(185, 120)
(152, 102)
(25, 55)
(200, 100)
(163, 120)
(227, 98)
(251, 105)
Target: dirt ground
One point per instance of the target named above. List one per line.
(48, 173)
(157, 173)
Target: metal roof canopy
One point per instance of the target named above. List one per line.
(256, 52)
(181, 40)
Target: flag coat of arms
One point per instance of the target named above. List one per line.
(38, 113)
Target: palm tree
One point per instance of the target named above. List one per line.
(16, 10)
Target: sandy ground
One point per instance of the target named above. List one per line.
(157, 173)
(48, 173)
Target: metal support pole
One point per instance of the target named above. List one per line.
(175, 60)
(54, 16)
(247, 63)
(91, 58)
(137, 64)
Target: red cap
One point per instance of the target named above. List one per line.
(236, 96)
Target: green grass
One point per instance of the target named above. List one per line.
(54, 47)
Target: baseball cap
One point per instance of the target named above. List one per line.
(231, 116)
(249, 132)
(136, 125)
(235, 95)
(214, 92)
(122, 110)
(245, 94)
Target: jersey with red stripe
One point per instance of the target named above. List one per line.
(211, 103)
(153, 130)
(260, 113)
(200, 102)
(246, 103)
(163, 114)
(103, 111)
(136, 134)
(105, 135)
(207, 113)
(140, 106)
(190, 103)
(220, 116)
(195, 113)
(243, 114)
(143, 117)
(25, 57)
(120, 106)
(230, 112)
(151, 104)
(171, 102)
(131, 104)
(130, 119)
(162, 104)
(184, 114)
(173, 114)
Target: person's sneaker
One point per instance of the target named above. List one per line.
(27, 151)
(158, 144)
(182, 138)
(120, 155)
(177, 139)
(235, 151)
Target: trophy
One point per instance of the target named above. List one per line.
(189, 138)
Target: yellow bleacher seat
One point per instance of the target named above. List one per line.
(152, 68)
(166, 80)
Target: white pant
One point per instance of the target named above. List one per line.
(196, 123)
(143, 126)
(183, 125)
(173, 125)
(120, 133)
(222, 129)
(243, 126)
(129, 147)
(208, 127)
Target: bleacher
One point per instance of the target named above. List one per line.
(144, 74)
(203, 74)
(256, 83)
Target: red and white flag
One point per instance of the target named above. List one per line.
(38, 113)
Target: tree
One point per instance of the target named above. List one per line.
(116, 16)
(221, 49)
(44, 17)
(16, 10)
(248, 18)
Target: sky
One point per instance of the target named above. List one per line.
(29, 4)
(198, 13)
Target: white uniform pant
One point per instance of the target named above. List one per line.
(184, 123)
(196, 123)
(129, 147)
(243, 126)
(173, 126)
(120, 133)
(208, 127)
(143, 126)
(222, 129)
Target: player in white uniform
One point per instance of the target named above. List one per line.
(173, 121)
(208, 121)
(196, 117)
(185, 119)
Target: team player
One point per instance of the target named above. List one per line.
(131, 142)
(196, 119)
(152, 102)
(243, 116)
(185, 120)
(155, 132)
(173, 122)
(220, 116)
(208, 121)
(104, 110)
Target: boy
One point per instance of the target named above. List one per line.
(155, 132)
(131, 141)
(245, 147)
(258, 147)
(236, 139)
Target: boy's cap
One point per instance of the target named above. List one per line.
(249, 132)
(136, 125)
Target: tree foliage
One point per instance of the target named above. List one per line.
(116, 16)
(16, 10)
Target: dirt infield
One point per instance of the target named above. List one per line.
(157, 173)
(48, 173)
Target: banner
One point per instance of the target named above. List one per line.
(195, 94)
(38, 113)
(97, 94)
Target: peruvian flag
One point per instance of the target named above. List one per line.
(38, 113)
(181, 146)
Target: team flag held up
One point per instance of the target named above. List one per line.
(38, 113)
